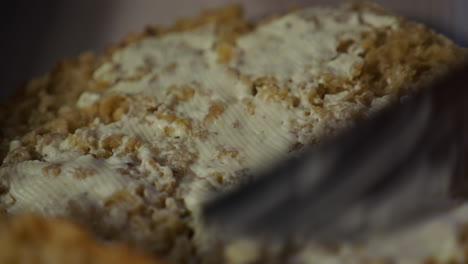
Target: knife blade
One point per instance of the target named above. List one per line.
(404, 165)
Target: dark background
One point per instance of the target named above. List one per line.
(36, 34)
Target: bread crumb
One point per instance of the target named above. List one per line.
(83, 173)
(224, 51)
(214, 111)
(52, 170)
(112, 108)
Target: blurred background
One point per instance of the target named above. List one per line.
(36, 34)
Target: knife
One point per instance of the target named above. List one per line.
(404, 165)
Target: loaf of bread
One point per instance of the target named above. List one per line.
(130, 144)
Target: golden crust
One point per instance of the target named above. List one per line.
(32, 239)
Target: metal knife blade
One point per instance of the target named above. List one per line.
(404, 165)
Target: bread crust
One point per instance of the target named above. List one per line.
(30, 238)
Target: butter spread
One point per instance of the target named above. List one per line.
(192, 121)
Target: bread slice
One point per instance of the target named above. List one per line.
(129, 144)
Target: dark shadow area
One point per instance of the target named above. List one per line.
(37, 34)
(23, 27)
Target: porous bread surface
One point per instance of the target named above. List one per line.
(128, 144)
